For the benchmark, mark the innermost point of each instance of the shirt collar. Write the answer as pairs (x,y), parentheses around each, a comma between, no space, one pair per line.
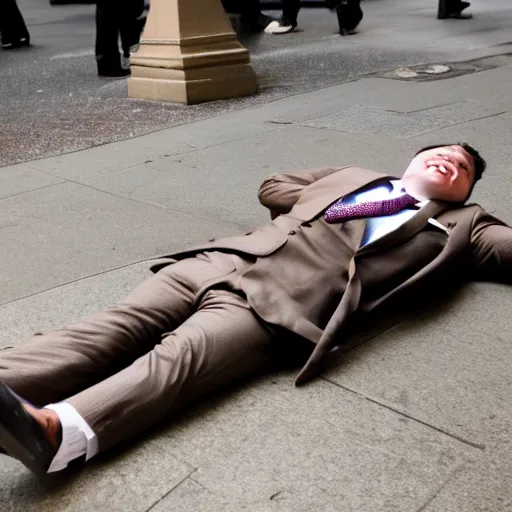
(397,186)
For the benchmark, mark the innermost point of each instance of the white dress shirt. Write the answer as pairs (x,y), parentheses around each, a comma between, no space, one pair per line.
(377,227)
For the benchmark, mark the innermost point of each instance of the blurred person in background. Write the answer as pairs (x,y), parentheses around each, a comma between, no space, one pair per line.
(115,19)
(13,30)
(252,20)
(349,15)
(288,21)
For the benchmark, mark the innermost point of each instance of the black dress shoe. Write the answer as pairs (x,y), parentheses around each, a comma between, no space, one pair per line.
(113,72)
(349,14)
(21,437)
(18,43)
(458,16)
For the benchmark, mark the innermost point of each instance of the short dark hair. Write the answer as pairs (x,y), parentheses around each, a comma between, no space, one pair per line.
(480,163)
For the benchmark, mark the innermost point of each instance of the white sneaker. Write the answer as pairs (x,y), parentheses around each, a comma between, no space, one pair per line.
(276,27)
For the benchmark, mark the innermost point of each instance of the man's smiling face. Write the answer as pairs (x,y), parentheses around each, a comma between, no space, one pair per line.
(445,173)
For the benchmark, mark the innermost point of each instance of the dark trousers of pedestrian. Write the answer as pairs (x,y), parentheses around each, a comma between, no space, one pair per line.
(291,10)
(251,18)
(12,25)
(450,7)
(249,10)
(115,18)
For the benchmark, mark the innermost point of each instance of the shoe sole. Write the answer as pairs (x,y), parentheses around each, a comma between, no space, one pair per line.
(16,45)
(455,16)
(283,32)
(15,449)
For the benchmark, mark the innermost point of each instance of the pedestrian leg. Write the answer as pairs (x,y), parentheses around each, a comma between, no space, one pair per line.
(108,19)
(13,29)
(453,9)
(288,21)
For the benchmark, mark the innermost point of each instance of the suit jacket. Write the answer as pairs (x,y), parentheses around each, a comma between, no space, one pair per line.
(313,278)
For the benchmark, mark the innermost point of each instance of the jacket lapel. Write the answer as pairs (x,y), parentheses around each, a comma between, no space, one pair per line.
(406,230)
(351,297)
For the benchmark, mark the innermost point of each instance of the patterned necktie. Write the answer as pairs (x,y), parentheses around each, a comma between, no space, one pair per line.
(340,211)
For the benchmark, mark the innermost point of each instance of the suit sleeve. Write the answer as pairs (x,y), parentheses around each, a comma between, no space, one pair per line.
(280,192)
(491,243)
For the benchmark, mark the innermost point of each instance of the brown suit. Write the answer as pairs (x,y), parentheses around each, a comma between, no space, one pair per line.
(311,275)
(211,314)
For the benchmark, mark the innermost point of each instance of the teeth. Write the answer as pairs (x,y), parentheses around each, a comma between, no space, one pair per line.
(438,168)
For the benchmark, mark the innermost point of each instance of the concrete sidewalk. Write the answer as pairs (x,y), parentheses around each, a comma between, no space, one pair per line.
(418,419)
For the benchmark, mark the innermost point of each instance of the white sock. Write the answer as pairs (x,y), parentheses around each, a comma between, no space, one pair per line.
(78,438)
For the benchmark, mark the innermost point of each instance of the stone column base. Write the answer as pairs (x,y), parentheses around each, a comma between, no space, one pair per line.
(189,54)
(193,85)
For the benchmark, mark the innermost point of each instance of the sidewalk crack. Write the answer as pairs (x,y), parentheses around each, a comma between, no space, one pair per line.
(170,490)
(438,491)
(200,217)
(405,415)
(31,190)
(458,123)
(78,279)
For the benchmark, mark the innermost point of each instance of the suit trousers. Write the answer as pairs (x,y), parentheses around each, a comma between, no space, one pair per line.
(160,348)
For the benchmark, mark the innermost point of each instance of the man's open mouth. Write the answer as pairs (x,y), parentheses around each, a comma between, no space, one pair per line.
(440,169)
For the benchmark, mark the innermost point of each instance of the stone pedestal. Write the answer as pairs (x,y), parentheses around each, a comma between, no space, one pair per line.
(189,53)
